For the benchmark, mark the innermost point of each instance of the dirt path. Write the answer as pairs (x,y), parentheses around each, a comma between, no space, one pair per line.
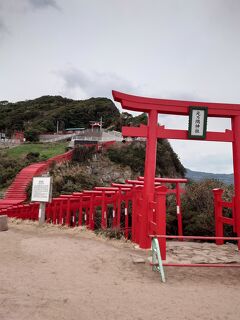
(52,273)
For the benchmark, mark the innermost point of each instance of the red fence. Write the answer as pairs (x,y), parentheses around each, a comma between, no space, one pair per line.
(95,208)
(118,206)
(22,211)
(220,219)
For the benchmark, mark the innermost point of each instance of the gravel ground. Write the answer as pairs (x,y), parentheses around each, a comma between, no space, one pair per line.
(58,273)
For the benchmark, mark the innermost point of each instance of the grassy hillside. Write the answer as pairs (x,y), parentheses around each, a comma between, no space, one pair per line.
(15,159)
(45,150)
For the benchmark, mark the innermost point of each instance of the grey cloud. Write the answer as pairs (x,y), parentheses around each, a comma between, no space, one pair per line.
(40,4)
(214,163)
(3,28)
(95,84)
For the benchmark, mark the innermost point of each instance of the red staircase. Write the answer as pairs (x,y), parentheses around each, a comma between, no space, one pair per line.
(17,193)
(17,190)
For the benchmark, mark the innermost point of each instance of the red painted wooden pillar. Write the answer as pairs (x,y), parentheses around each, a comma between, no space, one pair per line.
(31,211)
(179,211)
(139,208)
(236,166)
(114,217)
(233,214)
(149,178)
(57,205)
(47,211)
(54,208)
(218,214)
(68,214)
(61,219)
(104,212)
(80,212)
(91,213)
(126,218)
(74,215)
(88,204)
(24,212)
(119,203)
(161,193)
(87,219)
(36,210)
(134,214)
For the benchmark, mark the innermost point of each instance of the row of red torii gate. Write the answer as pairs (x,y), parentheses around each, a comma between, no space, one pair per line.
(146,196)
(198,112)
(119,208)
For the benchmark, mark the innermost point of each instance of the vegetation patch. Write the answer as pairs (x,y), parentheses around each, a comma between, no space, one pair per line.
(15,159)
(83,153)
(198,209)
(111,233)
(45,150)
(133,155)
(45,113)
(71,177)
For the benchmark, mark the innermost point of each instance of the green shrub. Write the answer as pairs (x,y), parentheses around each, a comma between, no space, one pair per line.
(133,155)
(198,209)
(71,177)
(32,135)
(32,156)
(9,168)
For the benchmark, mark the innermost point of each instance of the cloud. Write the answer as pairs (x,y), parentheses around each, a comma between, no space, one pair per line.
(3,28)
(41,4)
(9,7)
(205,156)
(94,84)
(10,10)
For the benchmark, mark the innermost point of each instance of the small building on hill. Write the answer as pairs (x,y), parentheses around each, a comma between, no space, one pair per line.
(92,136)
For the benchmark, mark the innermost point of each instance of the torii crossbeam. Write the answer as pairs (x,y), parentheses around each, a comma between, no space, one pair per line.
(153,131)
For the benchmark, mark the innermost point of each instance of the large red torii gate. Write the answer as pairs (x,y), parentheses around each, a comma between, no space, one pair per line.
(153,131)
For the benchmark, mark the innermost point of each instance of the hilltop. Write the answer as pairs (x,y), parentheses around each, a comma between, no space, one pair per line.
(45,113)
(42,114)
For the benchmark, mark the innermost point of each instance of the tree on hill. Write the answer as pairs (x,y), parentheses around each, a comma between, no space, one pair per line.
(43,113)
(127,119)
(133,154)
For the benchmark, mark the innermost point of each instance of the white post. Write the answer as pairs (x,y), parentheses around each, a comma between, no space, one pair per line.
(41,213)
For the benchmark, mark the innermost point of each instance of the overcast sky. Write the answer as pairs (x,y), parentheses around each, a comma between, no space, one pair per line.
(173,49)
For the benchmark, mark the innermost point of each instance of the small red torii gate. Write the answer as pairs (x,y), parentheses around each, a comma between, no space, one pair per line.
(153,131)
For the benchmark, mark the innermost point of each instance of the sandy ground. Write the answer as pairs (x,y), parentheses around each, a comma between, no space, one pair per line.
(57,273)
